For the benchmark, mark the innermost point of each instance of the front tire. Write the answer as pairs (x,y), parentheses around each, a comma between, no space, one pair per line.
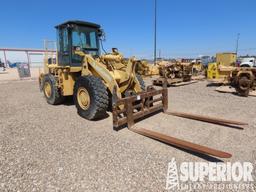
(90,97)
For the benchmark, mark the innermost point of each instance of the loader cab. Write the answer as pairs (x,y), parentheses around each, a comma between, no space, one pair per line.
(77,35)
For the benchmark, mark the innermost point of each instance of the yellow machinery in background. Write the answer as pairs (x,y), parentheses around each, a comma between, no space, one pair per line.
(222,68)
(144,68)
(197,67)
(226,59)
(174,73)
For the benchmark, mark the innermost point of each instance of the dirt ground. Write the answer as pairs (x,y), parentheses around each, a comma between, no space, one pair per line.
(51,148)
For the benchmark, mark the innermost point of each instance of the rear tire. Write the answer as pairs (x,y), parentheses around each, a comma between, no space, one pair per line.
(51,91)
(90,97)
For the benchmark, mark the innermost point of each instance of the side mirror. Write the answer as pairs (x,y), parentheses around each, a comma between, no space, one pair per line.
(115,50)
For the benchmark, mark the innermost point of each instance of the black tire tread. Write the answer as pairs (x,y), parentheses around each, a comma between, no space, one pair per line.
(100,96)
(57,97)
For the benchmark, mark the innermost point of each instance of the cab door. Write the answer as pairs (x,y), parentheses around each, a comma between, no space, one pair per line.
(64,52)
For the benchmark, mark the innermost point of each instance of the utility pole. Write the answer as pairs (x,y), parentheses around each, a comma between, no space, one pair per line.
(237,42)
(155,32)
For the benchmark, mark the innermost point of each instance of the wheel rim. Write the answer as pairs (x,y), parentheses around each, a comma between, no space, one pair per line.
(47,90)
(83,98)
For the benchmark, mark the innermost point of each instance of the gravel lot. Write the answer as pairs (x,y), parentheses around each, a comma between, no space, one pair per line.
(51,148)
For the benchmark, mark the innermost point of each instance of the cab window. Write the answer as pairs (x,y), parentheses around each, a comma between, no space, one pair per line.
(86,39)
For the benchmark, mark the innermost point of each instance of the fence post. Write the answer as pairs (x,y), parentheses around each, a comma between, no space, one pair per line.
(28,63)
(129,113)
(5,60)
(165,98)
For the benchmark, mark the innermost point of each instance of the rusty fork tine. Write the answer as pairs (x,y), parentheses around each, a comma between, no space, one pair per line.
(181,143)
(206,119)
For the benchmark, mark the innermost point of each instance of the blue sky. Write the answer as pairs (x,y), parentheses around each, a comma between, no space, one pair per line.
(186,28)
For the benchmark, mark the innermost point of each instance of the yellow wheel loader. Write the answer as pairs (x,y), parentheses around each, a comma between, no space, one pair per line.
(80,71)
(98,82)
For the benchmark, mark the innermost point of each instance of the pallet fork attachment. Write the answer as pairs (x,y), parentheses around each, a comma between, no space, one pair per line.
(128,110)
(181,143)
(213,120)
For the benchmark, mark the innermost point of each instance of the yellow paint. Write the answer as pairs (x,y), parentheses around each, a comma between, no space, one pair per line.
(47,90)
(113,69)
(67,82)
(83,98)
(218,72)
(226,59)
(222,68)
